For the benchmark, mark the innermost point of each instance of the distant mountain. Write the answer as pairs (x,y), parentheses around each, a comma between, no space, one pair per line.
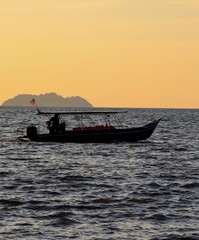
(47,100)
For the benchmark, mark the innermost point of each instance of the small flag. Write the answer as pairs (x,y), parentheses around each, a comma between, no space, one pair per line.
(33,102)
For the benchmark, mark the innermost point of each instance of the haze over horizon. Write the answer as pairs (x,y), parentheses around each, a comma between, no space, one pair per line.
(114,53)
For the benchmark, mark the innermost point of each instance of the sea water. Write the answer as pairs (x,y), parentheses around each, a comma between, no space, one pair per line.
(145,190)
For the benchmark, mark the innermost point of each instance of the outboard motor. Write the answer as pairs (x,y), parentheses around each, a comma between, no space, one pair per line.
(31,132)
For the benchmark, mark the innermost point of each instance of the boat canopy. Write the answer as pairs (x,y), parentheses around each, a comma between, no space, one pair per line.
(81,112)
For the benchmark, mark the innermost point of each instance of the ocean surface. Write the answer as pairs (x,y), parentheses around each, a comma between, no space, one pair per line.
(145,190)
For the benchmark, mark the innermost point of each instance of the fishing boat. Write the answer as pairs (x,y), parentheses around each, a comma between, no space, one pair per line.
(58,130)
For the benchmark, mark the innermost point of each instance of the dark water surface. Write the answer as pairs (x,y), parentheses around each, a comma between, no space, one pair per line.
(146,190)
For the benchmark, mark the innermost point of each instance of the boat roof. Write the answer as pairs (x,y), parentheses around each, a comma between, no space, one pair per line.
(80,112)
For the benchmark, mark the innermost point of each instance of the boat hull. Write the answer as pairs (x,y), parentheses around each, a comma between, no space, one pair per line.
(99,136)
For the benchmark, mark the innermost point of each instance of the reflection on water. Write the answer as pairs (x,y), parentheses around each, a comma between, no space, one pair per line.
(146,190)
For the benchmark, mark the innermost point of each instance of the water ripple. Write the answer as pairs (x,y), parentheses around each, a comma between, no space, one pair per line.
(146,190)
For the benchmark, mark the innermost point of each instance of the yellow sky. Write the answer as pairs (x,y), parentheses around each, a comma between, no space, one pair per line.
(114,53)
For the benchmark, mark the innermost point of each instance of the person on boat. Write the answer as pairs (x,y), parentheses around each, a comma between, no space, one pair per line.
(54,123)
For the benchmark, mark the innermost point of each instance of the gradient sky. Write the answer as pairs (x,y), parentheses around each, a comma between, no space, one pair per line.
(114,53)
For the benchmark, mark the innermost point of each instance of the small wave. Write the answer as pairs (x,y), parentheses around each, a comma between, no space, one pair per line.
(9,139)
(191,185)
(177,237)
(38,205)
(157,216)
(71,178)
(5,173)
(141,200)
(59,215)
(61,219)
(154,185)
(104,200)
(181,149)
(11,202)
(43,207)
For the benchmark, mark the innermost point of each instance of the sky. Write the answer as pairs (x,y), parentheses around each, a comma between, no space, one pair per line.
(114,53)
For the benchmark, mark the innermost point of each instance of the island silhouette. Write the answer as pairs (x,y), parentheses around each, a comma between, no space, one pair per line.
(48,100)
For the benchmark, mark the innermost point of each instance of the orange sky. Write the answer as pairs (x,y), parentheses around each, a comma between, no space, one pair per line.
(114,53)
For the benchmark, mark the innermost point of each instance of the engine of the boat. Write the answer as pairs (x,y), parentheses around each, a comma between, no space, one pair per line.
(31,131)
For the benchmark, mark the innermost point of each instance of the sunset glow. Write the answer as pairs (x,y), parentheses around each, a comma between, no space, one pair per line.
(114,53)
